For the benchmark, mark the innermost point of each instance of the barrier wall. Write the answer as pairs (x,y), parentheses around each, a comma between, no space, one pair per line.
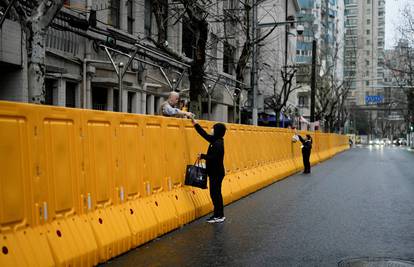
(79,187)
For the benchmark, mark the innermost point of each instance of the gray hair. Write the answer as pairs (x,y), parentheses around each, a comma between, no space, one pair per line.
(173,93)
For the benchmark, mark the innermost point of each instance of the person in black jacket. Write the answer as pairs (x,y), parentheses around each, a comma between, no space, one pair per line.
(215,166)
(306,151)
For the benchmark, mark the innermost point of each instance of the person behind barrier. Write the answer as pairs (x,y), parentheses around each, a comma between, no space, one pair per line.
(306,151)
(215,166)
(168,108)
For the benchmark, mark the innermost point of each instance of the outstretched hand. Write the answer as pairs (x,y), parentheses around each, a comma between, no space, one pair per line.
(193,121)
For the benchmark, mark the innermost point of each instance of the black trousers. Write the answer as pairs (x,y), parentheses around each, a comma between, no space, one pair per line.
(215,194)
(306,162)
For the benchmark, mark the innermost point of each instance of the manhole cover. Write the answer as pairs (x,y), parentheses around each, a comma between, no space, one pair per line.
(375,262)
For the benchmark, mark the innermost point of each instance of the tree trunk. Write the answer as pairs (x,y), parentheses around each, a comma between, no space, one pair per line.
(36,26)
(36,67)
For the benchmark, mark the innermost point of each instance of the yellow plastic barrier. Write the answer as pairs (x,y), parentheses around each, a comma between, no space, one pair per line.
(101,166)
(177,158)
(130,186)
(60,141)
(155,158)
(22,243)
(81,186)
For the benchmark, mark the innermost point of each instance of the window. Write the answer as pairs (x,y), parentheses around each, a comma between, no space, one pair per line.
(302,101)
(115,100)
(348,2)
(131,104)
(147,18)
(368,21)
(368,32)
(70,94)
(130,17)
(50,87)
(187,39)
(297,52)
(100,98)
(367,52)
(368,2)
(367,83)
(228,58)
(213,50)
(351,32)
(115,7)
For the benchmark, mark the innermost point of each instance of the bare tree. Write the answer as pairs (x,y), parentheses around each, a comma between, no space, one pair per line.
(194,14)
(331,93)
(241,19)
(278,100)
(401,64)
(35,17)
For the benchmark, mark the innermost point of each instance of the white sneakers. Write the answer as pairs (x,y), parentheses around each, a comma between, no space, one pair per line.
(216,220)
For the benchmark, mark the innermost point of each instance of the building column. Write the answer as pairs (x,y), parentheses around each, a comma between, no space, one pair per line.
(219,112)
(61,93)
(137,103)
(143,103)
(150,104)
(160,100)
(123,15)
(110,100)
(124,101)
(78,89)
(88,92)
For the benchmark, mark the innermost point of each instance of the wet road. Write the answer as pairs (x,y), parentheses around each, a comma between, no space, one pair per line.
(358,204)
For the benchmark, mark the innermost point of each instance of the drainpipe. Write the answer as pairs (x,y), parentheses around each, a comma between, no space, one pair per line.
(88,7)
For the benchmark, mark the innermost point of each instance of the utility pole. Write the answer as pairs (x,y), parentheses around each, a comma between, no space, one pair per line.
(253,78)
(286,35)
(313,81)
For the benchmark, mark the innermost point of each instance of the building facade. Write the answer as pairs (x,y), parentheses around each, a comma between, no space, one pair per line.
(276,53)
(364,47)
(80,74)
(323,21)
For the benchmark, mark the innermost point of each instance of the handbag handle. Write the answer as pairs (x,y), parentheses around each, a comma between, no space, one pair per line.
(197,162)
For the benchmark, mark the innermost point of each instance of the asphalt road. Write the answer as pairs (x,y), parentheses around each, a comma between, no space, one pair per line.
(358,204)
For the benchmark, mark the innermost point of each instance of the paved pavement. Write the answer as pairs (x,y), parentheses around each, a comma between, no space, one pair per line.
(358,204)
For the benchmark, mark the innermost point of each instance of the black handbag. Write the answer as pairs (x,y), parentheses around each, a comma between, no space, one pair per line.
(196,175)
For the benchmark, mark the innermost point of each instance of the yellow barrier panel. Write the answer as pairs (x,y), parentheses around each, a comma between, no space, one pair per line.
(82,186)
(130,185)
(69,236)
(231,158)
(278,157)
(22,242)
(177,158)
(241,169)
(155,174)
(101,163)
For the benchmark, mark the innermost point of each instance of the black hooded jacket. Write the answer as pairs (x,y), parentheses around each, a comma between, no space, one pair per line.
(307,144)
(215,153)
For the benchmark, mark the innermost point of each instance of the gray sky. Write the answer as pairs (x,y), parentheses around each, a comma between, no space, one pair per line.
(392,13)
